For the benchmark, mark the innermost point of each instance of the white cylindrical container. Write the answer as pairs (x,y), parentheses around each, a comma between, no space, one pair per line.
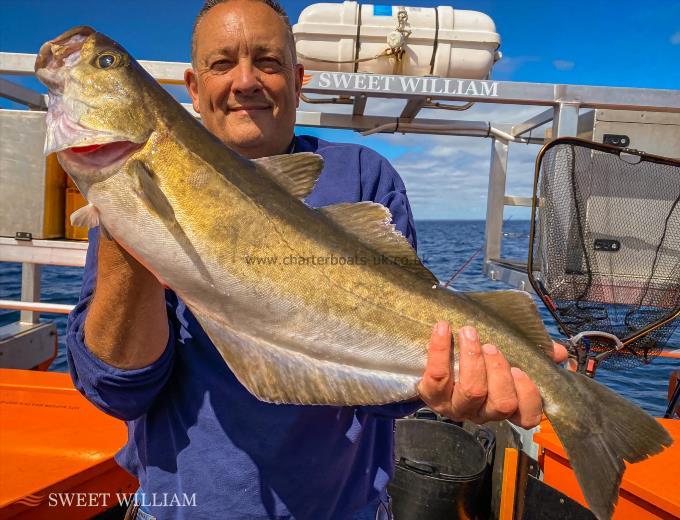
(439,41)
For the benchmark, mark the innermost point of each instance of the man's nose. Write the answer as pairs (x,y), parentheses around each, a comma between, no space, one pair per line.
(246,80)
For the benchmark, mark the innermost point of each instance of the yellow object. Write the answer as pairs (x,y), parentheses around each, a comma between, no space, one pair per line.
(55,180)
(74,201)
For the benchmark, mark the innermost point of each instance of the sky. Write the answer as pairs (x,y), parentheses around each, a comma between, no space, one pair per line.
(625,43)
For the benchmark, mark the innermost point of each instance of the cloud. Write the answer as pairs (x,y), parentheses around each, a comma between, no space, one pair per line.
(510,64)
(675,39)
(447,177)
(563,64)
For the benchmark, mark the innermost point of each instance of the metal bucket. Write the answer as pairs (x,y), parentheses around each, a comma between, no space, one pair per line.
(441,470)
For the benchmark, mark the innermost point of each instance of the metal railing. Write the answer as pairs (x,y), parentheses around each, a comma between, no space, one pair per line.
(50,308)
(564,105)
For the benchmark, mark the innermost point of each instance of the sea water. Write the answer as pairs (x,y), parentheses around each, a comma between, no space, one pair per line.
(444,246)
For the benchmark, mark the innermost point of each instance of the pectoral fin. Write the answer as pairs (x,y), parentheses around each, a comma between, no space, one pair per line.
(155,200)
(87,216)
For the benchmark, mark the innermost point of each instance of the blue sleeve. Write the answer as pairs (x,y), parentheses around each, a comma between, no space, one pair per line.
(391,193)
(381,183)
(124,394)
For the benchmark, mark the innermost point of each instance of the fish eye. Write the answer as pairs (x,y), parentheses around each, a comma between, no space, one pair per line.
(107,59)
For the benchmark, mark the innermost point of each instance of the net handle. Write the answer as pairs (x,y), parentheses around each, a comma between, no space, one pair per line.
(575,340)
(588,364)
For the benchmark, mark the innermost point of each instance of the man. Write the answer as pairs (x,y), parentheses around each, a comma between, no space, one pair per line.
(138,353)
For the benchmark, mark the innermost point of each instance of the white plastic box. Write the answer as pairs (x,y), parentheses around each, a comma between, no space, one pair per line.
(466,45)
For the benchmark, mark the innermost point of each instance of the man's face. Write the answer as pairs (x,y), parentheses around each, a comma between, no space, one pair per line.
(244,83)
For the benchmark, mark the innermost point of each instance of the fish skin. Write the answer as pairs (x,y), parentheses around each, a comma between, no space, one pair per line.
(176,198)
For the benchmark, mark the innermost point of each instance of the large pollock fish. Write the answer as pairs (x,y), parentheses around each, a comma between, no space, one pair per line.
(347,332)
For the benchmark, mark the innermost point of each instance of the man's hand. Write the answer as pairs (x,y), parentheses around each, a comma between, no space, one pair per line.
(487,389)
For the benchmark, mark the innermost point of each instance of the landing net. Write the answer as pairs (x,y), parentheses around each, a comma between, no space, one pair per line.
(605,245)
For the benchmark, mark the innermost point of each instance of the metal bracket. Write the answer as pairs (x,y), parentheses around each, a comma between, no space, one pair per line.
(621,141)
(587,364)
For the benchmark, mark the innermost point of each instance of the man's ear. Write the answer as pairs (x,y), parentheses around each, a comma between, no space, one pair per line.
(299,74)
(191,83)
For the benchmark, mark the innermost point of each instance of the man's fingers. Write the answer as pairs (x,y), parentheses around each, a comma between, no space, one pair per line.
(435,386)
(501,400)
(486,388)
(530,404)
(560,352)
(470,391)
(439,353)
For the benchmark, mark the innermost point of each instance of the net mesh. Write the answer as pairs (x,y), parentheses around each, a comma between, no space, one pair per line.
(607,247)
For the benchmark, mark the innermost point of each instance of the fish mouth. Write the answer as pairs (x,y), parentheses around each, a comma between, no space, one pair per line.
(54,53)
(64,132)
(87,146)
(99,157)
(59,54)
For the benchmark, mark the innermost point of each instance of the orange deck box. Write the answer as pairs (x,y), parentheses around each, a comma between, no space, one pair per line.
(55,445)
(650,489)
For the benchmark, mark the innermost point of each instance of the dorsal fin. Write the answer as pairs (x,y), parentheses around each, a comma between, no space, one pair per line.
(297,172)
(370,222)
(516,307)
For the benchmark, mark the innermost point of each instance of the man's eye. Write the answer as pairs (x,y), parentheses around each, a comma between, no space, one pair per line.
(268,63)
(222,65)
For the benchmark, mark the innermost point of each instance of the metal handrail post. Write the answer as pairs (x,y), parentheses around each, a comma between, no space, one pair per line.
(565,120)
(30,290)
(496,200)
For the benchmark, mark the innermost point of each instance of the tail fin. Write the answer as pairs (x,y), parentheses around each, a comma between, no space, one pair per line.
(600,430)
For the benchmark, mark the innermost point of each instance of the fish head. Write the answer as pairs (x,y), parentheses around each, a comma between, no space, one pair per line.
(97,116)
